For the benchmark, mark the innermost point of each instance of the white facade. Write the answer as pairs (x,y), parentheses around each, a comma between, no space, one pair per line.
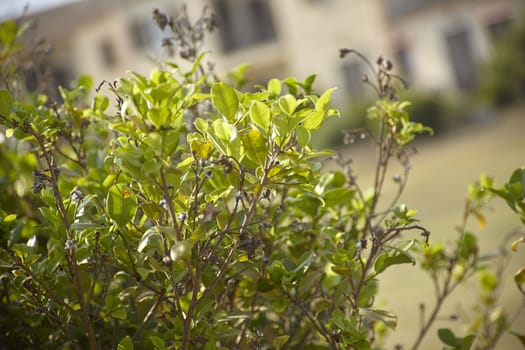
(444,41)
(277,38)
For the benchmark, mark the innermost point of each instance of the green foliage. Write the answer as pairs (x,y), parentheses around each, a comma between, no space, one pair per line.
(448,338)
(194,215)
(513,192)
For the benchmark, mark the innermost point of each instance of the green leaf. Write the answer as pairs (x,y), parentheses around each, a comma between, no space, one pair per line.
(125,344)
(303,136)
(260,114)
(85,81)
(279,341)
(308,284)
(152,239)
(468,246)
(447,337)
(519,278)
(6,264)
(274,87)
(313,120)
(488,280)
(515,244)
(119,313)
(254,146)
(158,116)
(338,319)
(518,176)
(323,104)
(10,217)
(385,260)
(203,308)
(466,343)
(291,84)
(181,250)
(100,103)
(202,149)
(225,99)
(202,125)
(288,104)
(337,196)
(158,343)
(121,204)
(308,82)
(6,103)
(224,130)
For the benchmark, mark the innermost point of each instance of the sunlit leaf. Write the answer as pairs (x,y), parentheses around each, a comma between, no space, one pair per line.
(481,219)
(288,104)
(125,344)
(202,149)
(323,104)
(292,84)
(224,130)
(313,120)
(515,244)
(150,239)
(254,146)
(10,217)
(225,99)
(308,82)
(100,103)
(158,116)
(158,342)
(121,204)
(279,341)
(181,250)
(260,114)
(274,87)
(303,136)
(202,125)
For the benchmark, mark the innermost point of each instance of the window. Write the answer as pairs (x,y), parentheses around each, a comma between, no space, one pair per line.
(403,61)
(107,53)
(462,59)
(353,76)
(498,29)
(141,33)
(244,22)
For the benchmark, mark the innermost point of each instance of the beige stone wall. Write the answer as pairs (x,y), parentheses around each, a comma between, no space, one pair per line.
(309,34)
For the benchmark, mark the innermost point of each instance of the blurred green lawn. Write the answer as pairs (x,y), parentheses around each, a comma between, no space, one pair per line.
(441,171)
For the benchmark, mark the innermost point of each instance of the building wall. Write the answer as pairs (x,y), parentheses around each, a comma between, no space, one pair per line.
(100,37)
(422,35)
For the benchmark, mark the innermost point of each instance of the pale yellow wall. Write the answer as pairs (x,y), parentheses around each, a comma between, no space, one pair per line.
(423,33)
(309,35)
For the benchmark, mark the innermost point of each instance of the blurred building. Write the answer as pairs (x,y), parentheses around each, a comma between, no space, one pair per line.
(436,44)
(440,43)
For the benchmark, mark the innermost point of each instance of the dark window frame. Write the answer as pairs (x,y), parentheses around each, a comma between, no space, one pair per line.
(244,23)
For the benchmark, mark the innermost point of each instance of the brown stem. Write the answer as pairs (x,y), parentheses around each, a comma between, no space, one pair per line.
(70,254)
(318,326)
(169,202)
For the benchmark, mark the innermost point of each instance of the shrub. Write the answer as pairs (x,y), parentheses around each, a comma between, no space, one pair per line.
(192,215)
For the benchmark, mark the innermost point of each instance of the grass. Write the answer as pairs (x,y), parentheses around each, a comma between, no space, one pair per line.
(441,171)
